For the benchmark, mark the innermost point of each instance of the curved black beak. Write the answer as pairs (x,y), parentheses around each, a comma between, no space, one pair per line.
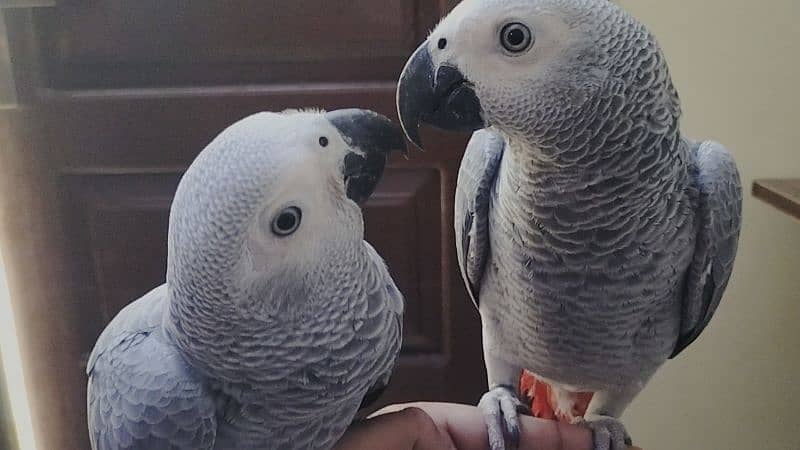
(440,97)
(371,138)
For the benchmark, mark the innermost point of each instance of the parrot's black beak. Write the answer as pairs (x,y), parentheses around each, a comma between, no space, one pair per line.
(440,97)
(371,138)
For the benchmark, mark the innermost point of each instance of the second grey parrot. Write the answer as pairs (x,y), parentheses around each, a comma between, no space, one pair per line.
(277,320)
(595,239)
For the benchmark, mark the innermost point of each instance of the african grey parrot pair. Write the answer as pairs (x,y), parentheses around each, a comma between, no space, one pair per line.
(594,238)
(277,321)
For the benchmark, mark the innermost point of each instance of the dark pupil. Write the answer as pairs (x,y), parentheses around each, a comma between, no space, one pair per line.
(286,221)
(516,37)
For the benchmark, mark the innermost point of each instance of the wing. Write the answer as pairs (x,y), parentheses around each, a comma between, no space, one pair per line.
(719,215)
(384,294)
(476,177)
(141,393)
(374,393)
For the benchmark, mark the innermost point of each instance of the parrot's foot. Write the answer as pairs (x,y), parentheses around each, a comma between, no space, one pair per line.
(501,408)
(608,432)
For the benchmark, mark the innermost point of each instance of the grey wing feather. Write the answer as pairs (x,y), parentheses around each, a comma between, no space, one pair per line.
(719,215)
(476,178)
(141,393)
(385,292)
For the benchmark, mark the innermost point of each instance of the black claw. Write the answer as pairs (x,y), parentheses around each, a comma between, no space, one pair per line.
(512,438)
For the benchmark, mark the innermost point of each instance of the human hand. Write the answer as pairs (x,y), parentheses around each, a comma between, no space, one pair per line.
(406,428)
(423,426)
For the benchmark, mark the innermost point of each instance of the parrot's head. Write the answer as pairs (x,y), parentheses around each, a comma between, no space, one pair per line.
(540,71)
(273,200)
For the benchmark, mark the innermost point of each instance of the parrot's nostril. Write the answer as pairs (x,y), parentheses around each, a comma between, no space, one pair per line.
(442,43)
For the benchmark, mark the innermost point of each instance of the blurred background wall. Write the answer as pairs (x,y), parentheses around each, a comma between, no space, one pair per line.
(736,65)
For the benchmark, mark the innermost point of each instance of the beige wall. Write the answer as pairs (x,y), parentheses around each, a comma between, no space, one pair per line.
(737,66)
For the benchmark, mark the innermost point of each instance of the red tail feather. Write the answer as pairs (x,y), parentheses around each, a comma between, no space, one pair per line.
(543,403)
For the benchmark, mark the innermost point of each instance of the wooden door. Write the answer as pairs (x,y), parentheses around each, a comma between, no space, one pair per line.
(112,101)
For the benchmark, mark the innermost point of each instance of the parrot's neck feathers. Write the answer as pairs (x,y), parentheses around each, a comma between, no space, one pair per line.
(593,194)
(216,331)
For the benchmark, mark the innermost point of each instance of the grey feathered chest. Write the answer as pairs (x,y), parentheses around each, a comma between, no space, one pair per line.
(296,381)
(309,405)
(584,269)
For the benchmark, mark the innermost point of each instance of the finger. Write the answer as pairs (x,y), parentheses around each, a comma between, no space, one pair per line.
(466,427)
(538,434)
(396,429)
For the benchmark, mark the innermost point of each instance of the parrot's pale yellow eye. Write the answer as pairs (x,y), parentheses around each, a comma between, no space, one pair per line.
(516,38)
(287,222)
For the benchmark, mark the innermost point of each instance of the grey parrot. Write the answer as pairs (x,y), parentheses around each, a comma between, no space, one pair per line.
(595,239)
(277,320)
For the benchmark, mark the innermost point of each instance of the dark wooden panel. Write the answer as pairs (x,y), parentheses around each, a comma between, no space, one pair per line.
(120,224)
(403,222)
(179,42)
(156,129)
(247,29)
